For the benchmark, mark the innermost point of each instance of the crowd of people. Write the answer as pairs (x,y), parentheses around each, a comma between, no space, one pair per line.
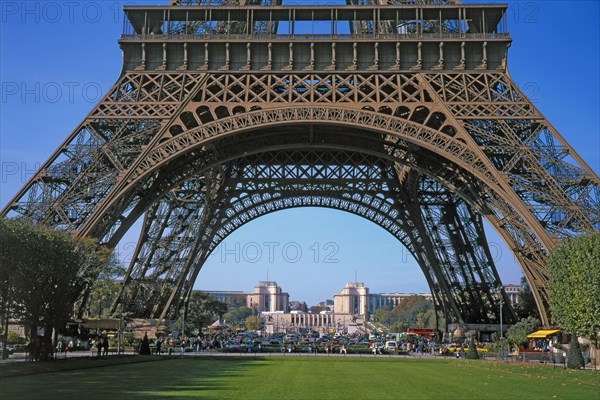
(199,344)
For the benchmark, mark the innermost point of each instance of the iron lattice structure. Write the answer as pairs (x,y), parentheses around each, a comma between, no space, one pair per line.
(401,112)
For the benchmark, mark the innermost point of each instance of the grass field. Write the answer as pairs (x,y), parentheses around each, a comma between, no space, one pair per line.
(307,378)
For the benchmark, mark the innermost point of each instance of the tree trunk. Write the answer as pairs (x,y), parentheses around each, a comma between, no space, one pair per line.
(46,344)
(6,323)
(594,354)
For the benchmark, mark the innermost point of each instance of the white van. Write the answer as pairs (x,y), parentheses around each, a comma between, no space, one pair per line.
(391,345)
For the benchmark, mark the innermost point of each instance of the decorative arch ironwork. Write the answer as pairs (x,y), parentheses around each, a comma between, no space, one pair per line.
(416,212)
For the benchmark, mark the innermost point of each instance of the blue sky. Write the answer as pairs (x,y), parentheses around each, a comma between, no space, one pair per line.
(57,58)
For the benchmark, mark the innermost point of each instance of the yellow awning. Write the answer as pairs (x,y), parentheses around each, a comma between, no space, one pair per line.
(543,333)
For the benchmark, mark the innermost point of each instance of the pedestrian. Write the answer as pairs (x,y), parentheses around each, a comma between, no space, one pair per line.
(181,347)
(105,345)
(99,347)
(158,344)
(59,346)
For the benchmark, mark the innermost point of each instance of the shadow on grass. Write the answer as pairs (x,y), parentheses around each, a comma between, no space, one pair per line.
(42,367)
(173,379)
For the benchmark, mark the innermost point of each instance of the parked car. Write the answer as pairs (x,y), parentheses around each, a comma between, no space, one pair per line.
(19,348)
(291,338)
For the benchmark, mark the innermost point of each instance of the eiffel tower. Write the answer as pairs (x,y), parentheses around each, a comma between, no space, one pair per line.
(398,111)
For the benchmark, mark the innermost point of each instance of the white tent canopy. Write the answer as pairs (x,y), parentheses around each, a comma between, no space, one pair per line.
(219,324)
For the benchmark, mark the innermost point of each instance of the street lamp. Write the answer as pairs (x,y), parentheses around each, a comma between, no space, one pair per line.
(120,327)
(501,330)
(445,337)
(183,317)
(501,306)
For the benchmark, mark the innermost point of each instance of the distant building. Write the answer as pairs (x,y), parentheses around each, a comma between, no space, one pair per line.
(512,291)
(380,300)
(298,306)
(352,299)
(355,299)
(326,305)
(229,297)
(301,322)
(267,296)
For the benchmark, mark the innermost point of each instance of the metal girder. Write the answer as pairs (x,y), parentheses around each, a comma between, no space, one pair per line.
(461,248)
(177,119)
(362,185)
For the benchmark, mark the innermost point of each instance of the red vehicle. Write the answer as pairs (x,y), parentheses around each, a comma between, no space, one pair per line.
(421,331)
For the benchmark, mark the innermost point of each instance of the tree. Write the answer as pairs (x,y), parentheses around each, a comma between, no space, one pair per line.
(517,334)
(384,315)
(252,323)
(202,310)
(105,290)
(8,256)
(102,296)
(526,306)
(426,319)
(399,326)
(412,311)
(44,272)
(237,315)
(317,309)
(298,306)
(574,292)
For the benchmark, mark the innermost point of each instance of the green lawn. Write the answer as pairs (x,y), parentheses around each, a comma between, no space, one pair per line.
(307,378)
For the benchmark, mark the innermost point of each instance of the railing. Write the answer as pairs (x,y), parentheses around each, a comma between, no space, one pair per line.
(309,36)
(358,4)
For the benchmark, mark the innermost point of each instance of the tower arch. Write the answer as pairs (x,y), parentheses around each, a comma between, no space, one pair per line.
(195,97)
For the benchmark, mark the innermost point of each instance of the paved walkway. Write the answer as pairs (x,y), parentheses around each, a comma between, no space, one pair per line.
(20,357)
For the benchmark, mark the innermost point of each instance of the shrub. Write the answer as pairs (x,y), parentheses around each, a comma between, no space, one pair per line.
(145,347)
(14,338)
(472,353)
